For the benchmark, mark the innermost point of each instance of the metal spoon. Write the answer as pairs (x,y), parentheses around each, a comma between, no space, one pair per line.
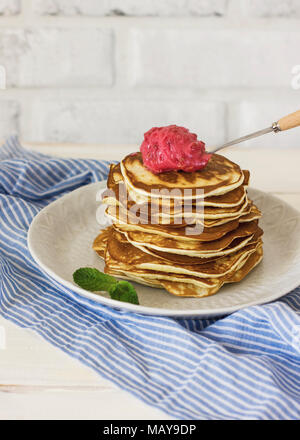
(290,121)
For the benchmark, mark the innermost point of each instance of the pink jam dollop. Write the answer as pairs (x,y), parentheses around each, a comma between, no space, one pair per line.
(173,148)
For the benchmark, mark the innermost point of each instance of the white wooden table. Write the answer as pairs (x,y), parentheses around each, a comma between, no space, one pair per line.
(37,381)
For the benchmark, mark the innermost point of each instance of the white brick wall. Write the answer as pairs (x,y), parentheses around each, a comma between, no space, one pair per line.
(66,57)
(57,57)
(119,121)
(9,118)
(9,7)
(167,8)
(106,71)
(272,8)
(227,58)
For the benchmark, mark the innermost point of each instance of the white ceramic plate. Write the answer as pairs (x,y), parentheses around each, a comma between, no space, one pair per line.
(61,235)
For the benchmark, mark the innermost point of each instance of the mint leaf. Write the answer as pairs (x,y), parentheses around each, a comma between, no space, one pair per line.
(124,291)
(92,279)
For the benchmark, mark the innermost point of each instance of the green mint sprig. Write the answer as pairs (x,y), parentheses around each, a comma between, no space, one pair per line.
(92,279)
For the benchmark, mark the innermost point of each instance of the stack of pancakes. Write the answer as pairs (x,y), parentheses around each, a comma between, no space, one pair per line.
(190,241)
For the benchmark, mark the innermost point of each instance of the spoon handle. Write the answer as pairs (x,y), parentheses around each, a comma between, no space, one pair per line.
(290,121)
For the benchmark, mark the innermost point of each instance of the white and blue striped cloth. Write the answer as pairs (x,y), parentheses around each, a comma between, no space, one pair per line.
(243,366)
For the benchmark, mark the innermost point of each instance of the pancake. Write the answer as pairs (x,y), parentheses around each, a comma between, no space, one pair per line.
(207,213)
(166,212)
(140,279)
(100,242)
(214,269)
(190,290)
(190,241)
(218,177)
(208,234)
(191,286)
(225,245)
(254,214)
(196,259)
(118,188)
(114,176)
(196,280)
(152,242)
(122,255)
(120,215)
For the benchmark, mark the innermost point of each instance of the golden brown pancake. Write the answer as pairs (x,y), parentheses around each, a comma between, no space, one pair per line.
(218,177)
(190,241)
(234,239)
(100,242)
(157,248)
(122,255)
(190,290)
(254,214)
(120,215)
(186,259)
(127,198)
(166,213)
(190,286)
(208,234)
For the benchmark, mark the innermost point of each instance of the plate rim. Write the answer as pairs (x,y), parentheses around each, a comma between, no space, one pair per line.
(145,310)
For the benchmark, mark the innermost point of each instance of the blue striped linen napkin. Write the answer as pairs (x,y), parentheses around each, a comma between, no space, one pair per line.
(242,366)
